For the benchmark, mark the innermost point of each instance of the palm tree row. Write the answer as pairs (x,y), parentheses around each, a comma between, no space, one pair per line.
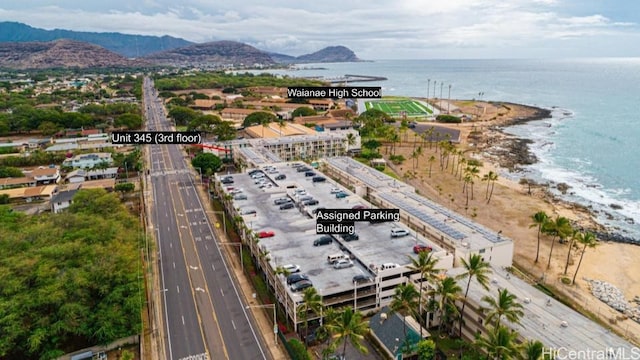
(561,229)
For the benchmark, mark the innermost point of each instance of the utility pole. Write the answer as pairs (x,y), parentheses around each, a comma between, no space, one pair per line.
(449,102)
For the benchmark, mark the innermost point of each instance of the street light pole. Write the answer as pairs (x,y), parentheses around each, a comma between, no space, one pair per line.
(200,171)
(449,101)
(275,324)
(428,86)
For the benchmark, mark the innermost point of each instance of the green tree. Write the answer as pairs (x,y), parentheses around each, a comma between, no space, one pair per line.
(491,178)
(532,350)
(426,350)
(182,115)
(303,111)
(48,128)
(299,350)
(559,228)
(504,305)
(311,302)
(499,343)
(259,118)
(10,172)
(476,268)
(405,302)
(588,240)
(425,263)
(129,121)
(225,131)
(207,163)
(539,219)
(349,327)
(4,199)
(446,292)
(125,187)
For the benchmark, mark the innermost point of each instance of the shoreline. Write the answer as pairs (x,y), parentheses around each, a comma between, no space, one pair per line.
(510,153)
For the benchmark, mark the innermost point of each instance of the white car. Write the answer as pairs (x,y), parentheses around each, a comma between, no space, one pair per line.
(291,268)
(235,191)
(343,264)
(399,232)
(335,190)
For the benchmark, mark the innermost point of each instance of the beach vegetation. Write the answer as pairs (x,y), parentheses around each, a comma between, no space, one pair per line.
(476,268)
(448,119)
(539,219)
(587,240)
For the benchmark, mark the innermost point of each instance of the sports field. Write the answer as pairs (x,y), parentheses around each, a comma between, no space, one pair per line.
(400,107)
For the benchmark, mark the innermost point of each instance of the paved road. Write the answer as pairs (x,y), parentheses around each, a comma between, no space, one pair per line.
(204,316)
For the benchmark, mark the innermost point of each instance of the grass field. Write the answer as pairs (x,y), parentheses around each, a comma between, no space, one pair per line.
(400,107)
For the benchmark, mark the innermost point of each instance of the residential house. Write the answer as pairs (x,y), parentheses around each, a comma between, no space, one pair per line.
(62,200)
(388,329)
(88,160)
(82,175)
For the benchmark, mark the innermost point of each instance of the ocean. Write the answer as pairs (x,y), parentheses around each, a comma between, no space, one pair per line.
(591,142)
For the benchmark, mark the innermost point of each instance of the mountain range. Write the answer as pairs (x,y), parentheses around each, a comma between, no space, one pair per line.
(25,47)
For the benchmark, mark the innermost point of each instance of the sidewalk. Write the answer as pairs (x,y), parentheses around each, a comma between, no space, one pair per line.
(262,316)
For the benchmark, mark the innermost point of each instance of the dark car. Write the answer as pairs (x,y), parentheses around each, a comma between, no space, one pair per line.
(350,237)
(227,181)
(282,201)
(294,278)
(303,169)
(359,279)
(310,202)
(309,173)
(323,240)
(281,177)
(286,206)
(301,285)
(319,179)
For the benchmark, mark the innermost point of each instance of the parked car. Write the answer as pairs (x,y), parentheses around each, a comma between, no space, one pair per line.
(291,268)
(235,191)
(335,190)
(266,234)
(227,180)
(247,212)
(419,248)
(301,285)
(309,173)
(350,237)
(361,278)
(303,169)
(358,207)
(281,177)
(310,202)
(343,264)
(282,200)
(323,240)
(240,197)
(286,206)
(399,233)
(316,179)
(294,278)
(341,195)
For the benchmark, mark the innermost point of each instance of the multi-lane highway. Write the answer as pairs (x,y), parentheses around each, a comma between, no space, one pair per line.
(203,314)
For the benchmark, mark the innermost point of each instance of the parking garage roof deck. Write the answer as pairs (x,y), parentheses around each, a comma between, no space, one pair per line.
(370,176)
(295,231)
(543,316)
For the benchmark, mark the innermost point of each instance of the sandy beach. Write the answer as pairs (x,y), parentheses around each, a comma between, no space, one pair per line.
(512,205)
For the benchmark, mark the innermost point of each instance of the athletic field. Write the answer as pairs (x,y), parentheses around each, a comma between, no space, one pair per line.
(400,108)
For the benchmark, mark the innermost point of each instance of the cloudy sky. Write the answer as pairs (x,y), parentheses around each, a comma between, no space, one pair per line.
(396,29)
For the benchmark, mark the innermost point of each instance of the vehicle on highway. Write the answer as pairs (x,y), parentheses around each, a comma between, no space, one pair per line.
(282,200)
(323,240)
(281,177)
(361,278)
(286,206)
(399,233)
(335,190)
(266,234)
(419,248)
(294,278)
(240,197)
(341,195)
(301,285)
(343,264)
(349,237)
(247,212)
(291,268)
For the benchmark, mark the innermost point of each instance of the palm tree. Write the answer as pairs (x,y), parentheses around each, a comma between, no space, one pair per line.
(351,140)
(491,178)
(504,305)
(532,350)
(473,171)
(560,227)
(478,268)
(539,219)
(311,301)
(328,316)
(500,343)
(405,301)
(571,241)
(349,326)
(431,160)
(587,239)
(447,292)
(425,264)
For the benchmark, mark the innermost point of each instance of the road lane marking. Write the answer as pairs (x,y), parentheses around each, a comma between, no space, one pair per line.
(213,267)
(234,325)
(174,264)
(182,320)
(221,292)
(178,286)
(206,247)
(171,245)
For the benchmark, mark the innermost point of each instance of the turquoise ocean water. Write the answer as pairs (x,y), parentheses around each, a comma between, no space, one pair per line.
(592,141)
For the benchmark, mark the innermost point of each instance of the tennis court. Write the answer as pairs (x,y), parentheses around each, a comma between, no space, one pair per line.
(400,108)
